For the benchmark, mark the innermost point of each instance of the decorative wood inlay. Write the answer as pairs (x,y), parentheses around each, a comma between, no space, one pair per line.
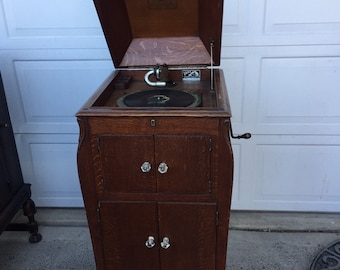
(172,51)
(97,163)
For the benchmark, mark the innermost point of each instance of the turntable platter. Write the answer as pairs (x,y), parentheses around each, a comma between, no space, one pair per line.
(160,98)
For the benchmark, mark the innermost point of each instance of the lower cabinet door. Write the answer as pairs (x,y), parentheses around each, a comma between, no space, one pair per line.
(190,230)
(126,228)
(158,236)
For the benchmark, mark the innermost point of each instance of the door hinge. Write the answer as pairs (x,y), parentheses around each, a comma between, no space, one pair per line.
(217,218)
(210,186)
(210,145)
(102,184)
(98,144)
(98,215)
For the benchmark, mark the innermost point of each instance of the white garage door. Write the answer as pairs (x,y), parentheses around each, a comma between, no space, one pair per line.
(282,64)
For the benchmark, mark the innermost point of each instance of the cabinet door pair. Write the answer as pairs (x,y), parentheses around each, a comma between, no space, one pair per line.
(158,236)
(156,163)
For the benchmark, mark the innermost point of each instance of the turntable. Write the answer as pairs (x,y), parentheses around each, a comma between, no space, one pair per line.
(160,98)
(154,158)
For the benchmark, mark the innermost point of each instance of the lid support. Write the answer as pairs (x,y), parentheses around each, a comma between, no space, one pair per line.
(211,66)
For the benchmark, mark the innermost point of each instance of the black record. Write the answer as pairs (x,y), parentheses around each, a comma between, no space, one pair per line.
(159,98)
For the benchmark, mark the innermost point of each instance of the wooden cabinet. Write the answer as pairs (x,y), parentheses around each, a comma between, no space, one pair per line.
(14,193)
(151,181)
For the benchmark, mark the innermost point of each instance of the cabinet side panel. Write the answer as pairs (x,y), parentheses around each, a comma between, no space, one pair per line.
(88,187)
(225,184)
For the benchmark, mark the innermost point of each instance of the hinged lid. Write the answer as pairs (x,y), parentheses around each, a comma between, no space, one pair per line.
(150,32)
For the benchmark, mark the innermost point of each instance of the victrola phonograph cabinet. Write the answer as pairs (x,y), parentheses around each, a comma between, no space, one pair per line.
(154,158)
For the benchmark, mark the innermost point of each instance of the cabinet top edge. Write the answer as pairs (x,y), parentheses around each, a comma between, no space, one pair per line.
(103,112)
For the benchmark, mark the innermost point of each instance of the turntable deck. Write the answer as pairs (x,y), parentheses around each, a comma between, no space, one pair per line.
(111,97)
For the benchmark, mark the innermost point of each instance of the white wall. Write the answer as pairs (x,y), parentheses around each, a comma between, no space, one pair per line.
(282,63)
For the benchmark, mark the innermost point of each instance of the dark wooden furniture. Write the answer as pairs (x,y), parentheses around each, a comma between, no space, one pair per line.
(157,181)
(14,193)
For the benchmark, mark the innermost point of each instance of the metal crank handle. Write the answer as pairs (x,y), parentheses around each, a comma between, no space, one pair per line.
(243,136)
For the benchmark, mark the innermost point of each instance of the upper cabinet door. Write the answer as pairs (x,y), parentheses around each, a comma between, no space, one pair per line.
(127,163)
(183,163)
(154,163)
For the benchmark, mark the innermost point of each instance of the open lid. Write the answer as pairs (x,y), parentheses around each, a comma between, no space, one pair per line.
(150,32)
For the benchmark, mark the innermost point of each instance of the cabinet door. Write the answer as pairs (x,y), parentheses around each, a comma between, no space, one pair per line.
(122,157)
(189,227)
(191,230)
(125,228)
(188,163)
